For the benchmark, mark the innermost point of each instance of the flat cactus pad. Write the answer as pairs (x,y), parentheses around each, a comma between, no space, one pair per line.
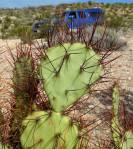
(127,142)
(47,131)
(67,72)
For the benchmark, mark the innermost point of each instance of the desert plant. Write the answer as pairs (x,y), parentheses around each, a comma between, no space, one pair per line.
(110,37)
(24,33)
(68,66)
(123,139)
(67,72)
(116,22)
(25,90)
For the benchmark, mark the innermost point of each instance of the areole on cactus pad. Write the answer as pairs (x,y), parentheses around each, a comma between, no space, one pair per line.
(67,72)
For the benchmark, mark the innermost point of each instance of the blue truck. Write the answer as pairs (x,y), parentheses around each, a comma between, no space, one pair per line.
(75,18)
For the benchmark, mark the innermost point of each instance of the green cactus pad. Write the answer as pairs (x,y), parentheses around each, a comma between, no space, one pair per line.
(116,100)
(46,131)
(3,146)
(67,72)
(127,142)
(115,125)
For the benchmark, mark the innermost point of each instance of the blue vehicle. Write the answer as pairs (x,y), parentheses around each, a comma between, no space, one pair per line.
(76,18)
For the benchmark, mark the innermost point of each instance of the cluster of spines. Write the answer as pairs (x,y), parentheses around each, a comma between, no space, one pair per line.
(25,90)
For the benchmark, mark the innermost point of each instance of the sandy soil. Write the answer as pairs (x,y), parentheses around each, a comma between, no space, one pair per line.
(5,68)
(123,67)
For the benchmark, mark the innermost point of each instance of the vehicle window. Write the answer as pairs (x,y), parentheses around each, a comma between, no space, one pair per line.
(81,14)
(37,25)
(72,15)
(95,14)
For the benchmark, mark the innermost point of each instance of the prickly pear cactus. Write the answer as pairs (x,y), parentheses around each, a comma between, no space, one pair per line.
(127,141)
(122,139)
(67,72)
(48,131)
(115,125)
(3,146)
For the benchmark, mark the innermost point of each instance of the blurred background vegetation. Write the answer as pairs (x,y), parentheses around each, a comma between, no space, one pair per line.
(16,23)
